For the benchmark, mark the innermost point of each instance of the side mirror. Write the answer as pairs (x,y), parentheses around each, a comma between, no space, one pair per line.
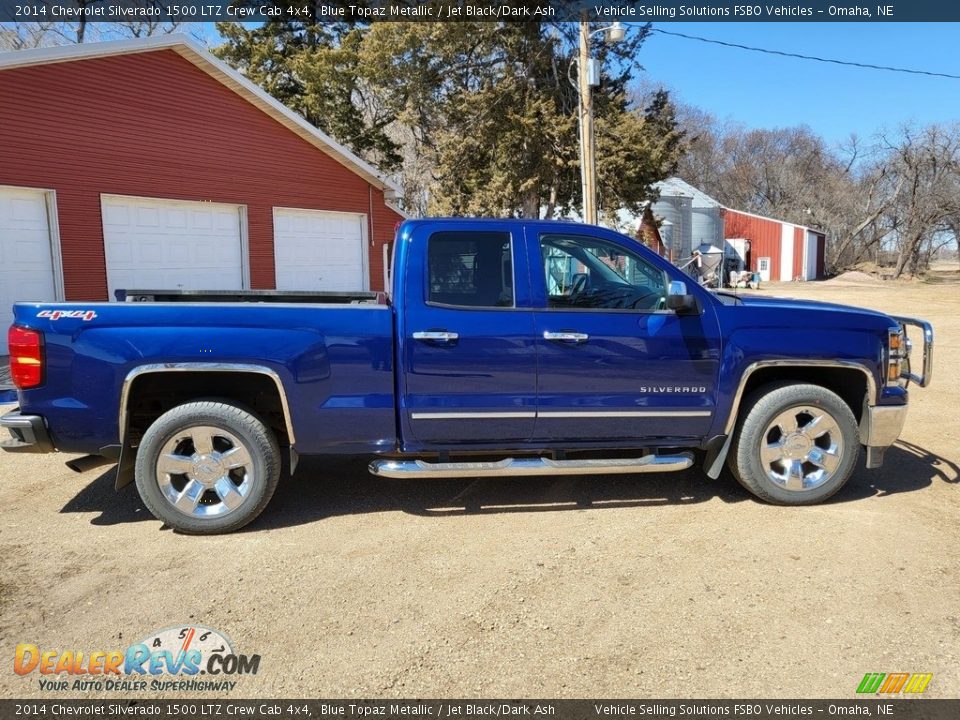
(678,300)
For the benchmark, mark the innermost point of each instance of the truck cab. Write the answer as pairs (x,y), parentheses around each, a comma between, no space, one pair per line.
(543,335)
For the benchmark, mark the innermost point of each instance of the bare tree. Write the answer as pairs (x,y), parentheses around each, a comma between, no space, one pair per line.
(928,165)
(28,35)
(900,192)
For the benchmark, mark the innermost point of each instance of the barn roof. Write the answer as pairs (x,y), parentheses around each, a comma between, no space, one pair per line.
(675,187)
(191,50)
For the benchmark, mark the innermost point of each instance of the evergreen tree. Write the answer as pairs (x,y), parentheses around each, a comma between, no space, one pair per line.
(495,108)
(483,117)
(312,68)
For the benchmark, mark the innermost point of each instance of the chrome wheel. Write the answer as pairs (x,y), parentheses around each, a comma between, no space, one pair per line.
(801,448)
(205,472)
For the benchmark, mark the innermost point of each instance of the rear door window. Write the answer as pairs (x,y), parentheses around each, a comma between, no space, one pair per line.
(470,269)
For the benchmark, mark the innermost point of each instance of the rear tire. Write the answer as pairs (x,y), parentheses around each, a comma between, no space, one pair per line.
(794,444)
(207,467)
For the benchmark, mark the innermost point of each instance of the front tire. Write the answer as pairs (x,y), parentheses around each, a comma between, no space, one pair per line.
(207,467)
(795,444)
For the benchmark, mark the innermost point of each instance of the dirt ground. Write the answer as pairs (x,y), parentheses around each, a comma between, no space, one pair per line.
(647,586)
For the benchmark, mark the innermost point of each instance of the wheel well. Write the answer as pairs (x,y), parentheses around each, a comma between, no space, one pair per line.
(152,394)
(850,384)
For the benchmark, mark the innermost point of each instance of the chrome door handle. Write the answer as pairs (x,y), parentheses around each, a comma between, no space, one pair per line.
(570,337)
(436,336)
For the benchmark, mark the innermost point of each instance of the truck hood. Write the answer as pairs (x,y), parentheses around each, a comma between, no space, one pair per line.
(778,303)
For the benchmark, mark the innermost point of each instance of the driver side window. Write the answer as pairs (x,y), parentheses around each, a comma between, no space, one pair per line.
(589,273)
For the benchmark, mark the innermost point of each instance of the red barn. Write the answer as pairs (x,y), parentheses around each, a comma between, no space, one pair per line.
(150,163)
(649,233)
(778,250)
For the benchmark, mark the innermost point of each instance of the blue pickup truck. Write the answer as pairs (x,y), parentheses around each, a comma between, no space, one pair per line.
(504,347)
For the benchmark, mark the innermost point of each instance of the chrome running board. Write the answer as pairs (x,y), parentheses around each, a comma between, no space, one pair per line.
(530,466)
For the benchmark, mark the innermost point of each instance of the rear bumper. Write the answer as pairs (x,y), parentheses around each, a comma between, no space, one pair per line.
(28,433)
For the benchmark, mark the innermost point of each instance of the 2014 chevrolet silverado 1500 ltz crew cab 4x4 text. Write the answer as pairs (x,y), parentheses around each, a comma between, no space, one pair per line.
(505,347)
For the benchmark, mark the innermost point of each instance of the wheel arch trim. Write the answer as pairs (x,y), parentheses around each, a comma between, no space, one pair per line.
(791,363)
(154,368)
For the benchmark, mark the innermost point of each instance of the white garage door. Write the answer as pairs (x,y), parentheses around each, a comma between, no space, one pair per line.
(786,253)
(318,250)
(26,258)
(810,257)
(172,244)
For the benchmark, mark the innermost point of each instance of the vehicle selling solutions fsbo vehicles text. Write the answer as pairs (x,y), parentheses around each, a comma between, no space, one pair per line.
(646,12)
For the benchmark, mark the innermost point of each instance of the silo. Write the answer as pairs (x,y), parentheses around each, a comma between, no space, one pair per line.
(676,210)
(707,225)
(666,235)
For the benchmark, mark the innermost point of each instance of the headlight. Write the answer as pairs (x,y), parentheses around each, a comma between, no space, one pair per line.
(898,350)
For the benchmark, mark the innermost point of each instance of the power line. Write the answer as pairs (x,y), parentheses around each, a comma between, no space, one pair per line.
(806,57)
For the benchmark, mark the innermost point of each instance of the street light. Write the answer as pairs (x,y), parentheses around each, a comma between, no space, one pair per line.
(588,75)
(616,32)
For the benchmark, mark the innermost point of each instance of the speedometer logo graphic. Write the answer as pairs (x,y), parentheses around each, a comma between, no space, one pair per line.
(182,639)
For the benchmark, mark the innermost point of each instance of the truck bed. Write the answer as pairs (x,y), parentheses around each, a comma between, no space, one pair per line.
(334,361)
(253,296)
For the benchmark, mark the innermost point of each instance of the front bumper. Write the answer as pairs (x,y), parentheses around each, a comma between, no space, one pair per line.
(880,425)
(28,433)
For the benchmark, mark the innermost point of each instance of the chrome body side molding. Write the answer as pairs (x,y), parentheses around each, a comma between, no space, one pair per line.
(622,413)
(558,414)
(472,415)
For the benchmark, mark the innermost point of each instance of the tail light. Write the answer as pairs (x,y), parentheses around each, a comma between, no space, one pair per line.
(26,357)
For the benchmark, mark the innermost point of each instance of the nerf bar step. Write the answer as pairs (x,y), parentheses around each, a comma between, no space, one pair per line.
(530,466)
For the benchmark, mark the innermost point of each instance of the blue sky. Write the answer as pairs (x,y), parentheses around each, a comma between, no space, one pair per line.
(768,91)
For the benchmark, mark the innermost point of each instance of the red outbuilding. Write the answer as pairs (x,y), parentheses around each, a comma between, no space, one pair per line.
(690,220)
(776,249)
(150,163)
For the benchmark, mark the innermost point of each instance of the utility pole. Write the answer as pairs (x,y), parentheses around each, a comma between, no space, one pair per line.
(588,174)
(588,75)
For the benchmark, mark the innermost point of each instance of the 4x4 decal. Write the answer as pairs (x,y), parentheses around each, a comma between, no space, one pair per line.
(57,314)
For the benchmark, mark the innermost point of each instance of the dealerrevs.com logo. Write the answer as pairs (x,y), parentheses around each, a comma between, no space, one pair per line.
(184,652)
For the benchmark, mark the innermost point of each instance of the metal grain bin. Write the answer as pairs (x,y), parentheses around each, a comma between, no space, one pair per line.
(677,211)
(707,225)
